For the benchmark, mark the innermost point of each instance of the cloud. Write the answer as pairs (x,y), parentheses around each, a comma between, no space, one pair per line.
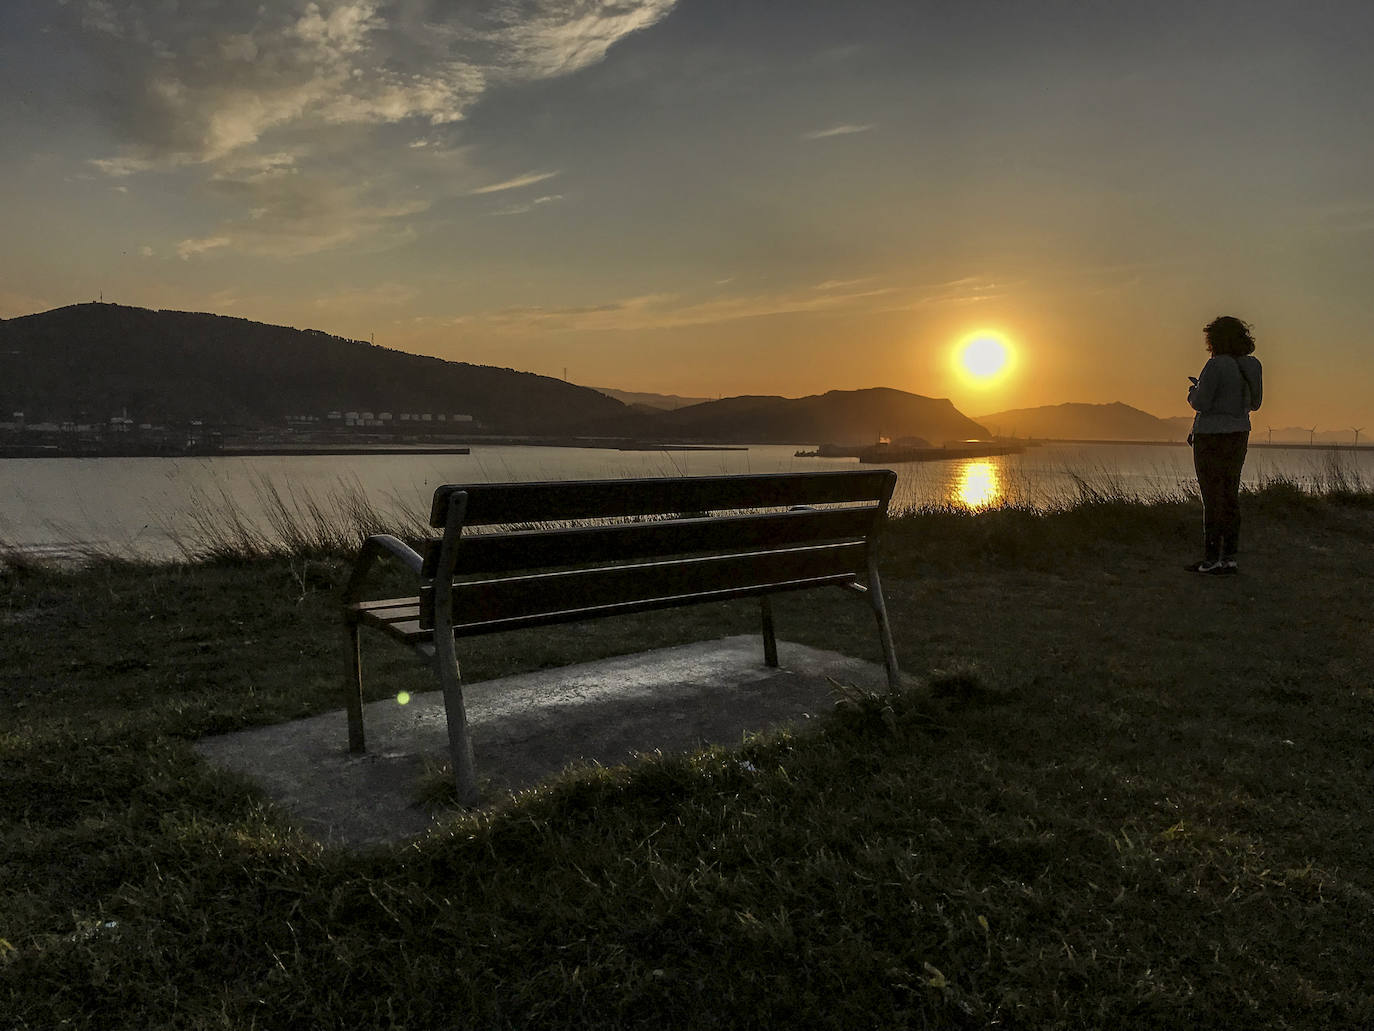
(123,166)
(192,82)
(837,130)
(670,311)
(242,96)
(521,209)
(188,249)
(528,179)
(966,290)
(288,216)
(842,284)
(542,40)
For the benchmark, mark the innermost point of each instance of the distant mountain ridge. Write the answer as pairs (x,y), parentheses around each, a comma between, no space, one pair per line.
(643,399)
(96,360)
(836,417)
(1117,421)
(1079,421)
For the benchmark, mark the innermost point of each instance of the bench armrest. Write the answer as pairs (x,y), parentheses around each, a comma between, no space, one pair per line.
(373,548)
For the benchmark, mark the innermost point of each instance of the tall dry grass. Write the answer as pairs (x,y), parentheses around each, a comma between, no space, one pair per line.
(283,521)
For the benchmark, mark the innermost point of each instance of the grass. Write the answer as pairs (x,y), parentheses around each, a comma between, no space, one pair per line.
(1123,797)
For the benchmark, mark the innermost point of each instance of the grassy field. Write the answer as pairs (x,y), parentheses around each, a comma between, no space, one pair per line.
(1122,797)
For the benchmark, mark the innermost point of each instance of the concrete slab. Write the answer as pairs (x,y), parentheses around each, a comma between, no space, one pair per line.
(530,727)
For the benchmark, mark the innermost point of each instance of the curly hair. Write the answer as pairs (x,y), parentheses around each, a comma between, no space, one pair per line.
(1227,334)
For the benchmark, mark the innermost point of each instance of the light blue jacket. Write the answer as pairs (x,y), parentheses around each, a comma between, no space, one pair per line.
(1227,390)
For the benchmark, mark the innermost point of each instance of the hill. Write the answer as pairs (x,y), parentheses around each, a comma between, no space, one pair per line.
(642,400)
(92,361)
(836,417)
(1074,421)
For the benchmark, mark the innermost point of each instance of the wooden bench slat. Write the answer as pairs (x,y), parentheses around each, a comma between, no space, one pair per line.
(550,501)
(643,605)
(379,607)
(539,549)
(411,632)
(500,599)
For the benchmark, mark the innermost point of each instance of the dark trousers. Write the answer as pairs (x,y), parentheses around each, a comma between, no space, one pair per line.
(1218,459)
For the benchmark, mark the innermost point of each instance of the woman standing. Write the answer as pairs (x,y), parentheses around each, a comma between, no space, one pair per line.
(1229,388)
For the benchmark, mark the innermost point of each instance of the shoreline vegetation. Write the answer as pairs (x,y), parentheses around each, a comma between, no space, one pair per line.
(1115,795)
(281,521)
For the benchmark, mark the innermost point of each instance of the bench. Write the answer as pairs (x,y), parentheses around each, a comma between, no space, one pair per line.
(558,552)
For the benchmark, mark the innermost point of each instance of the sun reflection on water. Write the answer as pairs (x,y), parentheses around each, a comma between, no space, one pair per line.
(978,485)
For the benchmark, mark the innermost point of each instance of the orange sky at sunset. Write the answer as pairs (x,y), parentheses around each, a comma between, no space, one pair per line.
(711,198)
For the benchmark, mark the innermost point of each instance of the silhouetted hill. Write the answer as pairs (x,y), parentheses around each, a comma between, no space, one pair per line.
(1073,421)
(91,361)
(661,402)
(837,417)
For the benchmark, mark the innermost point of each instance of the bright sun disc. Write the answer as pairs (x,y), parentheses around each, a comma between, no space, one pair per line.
(982,358)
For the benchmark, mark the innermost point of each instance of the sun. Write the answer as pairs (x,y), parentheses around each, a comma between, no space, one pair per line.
(983,358)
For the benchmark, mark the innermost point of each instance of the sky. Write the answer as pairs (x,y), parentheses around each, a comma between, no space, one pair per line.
(717,198)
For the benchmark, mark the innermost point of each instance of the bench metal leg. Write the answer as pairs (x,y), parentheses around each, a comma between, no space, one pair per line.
(875,595)
(770,640)
(459,741)
(353,689)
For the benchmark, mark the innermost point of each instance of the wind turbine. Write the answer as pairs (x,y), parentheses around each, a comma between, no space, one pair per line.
(1311,436)
(1357,435)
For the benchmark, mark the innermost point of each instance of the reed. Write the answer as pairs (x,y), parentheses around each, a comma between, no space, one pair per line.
(286,522)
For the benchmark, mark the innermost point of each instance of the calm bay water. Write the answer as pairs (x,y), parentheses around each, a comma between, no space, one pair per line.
(137,504)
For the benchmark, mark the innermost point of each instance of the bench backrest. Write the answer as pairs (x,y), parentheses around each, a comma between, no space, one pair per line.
(727,536)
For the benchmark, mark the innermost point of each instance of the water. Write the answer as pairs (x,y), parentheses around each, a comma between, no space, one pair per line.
(138,505)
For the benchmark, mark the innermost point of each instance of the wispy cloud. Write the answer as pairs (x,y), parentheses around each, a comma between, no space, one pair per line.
(862,296)
(188,249)
(842,284)
(296,215)
(522,209)
(670,311)
(837,130)
(965,290)
(528,179)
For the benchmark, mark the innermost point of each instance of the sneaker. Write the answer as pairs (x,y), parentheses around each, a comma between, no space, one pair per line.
(1228,567)
(1207,565)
